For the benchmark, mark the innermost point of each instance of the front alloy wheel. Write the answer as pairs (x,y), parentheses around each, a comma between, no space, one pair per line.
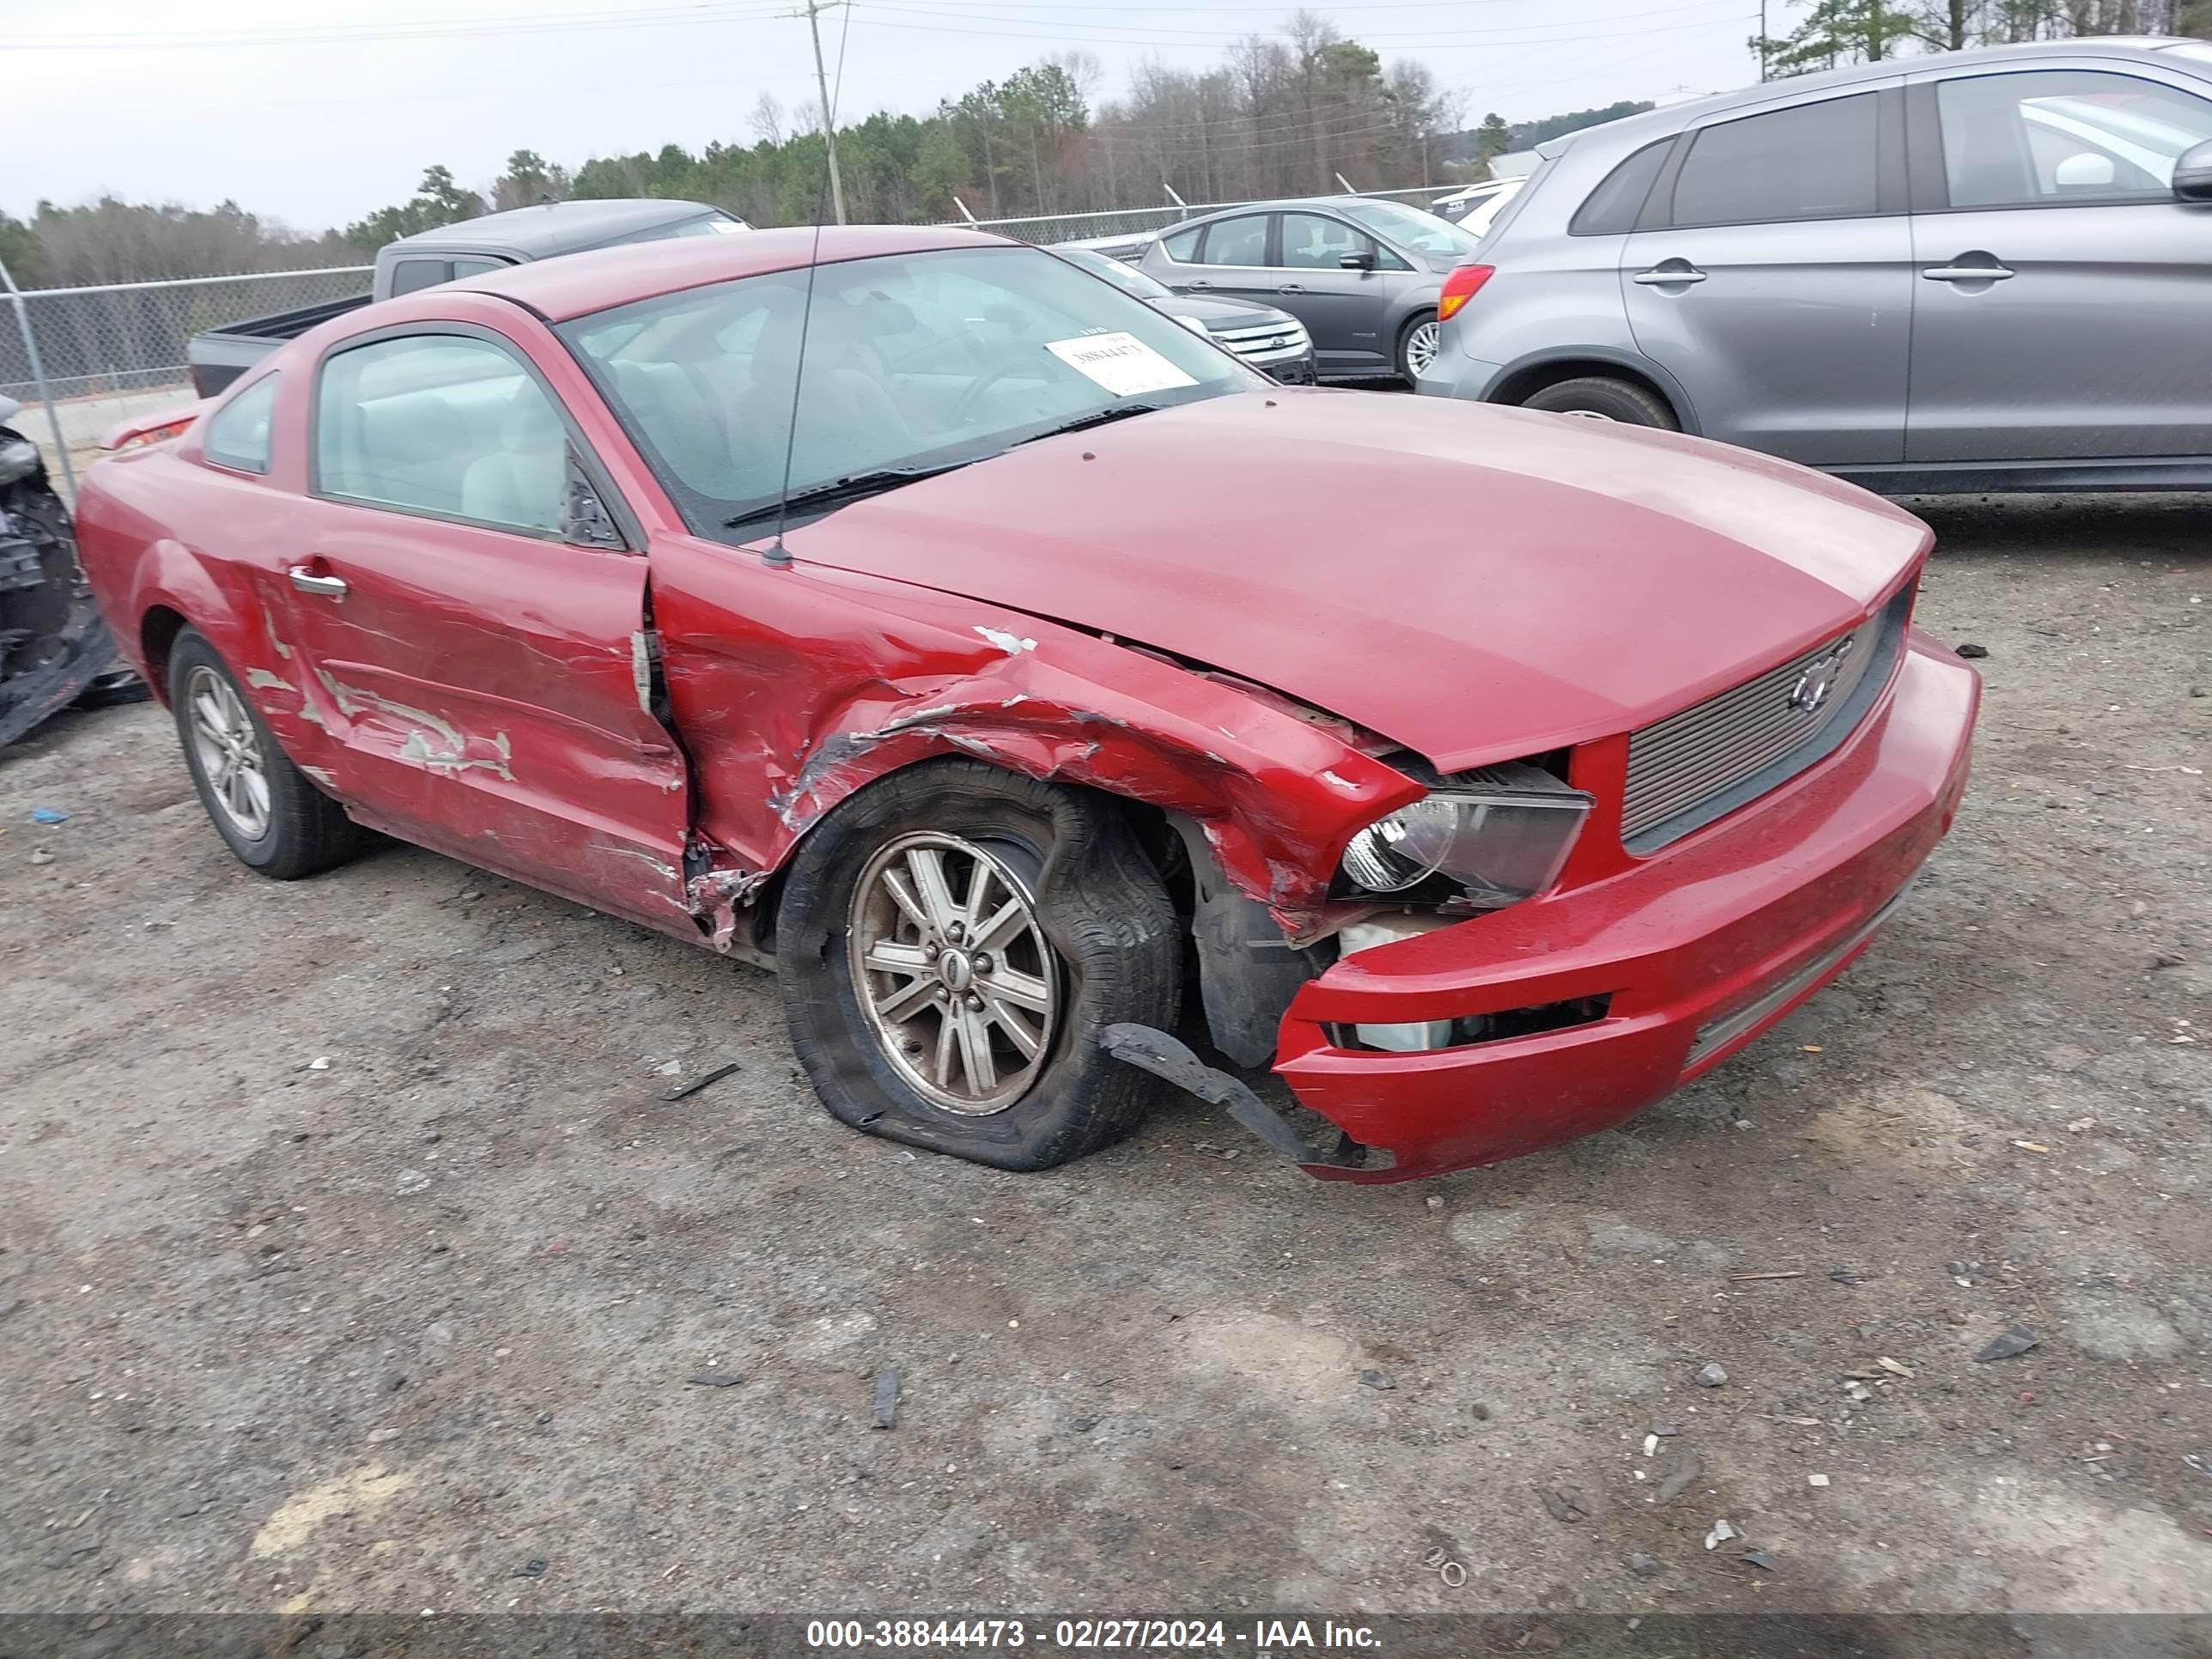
(953,941)
(953,971)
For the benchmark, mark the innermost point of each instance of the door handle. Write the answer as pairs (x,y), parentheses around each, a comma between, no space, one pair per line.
(308,580)
(1992,273)
(1196,283)
(1292,287)
(1662,275)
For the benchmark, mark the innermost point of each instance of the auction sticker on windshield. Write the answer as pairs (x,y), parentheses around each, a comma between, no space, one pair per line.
(1122,363)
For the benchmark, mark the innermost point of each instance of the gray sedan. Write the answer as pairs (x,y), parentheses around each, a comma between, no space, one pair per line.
(1362,275)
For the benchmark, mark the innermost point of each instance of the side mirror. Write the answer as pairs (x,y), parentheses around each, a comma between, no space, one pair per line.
(2192,173)
(1356,261)
(2085,170)
(584,520)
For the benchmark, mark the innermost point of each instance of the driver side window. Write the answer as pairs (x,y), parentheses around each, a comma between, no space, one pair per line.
(444,425)
(1312,242)
(2050,137)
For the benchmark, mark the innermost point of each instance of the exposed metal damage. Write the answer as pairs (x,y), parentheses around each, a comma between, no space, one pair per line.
(425,740)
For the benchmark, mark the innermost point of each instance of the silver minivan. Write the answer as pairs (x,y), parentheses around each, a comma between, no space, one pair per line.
(1978,270)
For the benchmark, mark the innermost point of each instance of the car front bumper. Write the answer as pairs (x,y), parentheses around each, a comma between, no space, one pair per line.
(1697,948)
(1291,367)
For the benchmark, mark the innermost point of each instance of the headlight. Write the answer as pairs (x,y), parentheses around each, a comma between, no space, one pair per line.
(1501,835)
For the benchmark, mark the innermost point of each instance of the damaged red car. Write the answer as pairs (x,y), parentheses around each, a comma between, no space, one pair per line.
(1012,669)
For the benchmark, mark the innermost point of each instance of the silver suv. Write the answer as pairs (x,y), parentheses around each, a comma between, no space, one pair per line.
(1981,270)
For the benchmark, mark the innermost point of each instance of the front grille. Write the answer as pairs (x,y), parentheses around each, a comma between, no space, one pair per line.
(1691,768)
(1263,339)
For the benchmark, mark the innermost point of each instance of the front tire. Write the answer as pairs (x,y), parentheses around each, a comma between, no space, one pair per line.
(263,806)
(952,940)
(1607,399)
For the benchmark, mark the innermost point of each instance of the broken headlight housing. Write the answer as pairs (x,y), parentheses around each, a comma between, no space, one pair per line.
(1482,840)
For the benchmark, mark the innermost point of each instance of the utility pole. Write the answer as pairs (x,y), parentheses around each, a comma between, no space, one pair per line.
(813,15)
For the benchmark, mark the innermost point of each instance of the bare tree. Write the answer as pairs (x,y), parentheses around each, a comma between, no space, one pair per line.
(767,120)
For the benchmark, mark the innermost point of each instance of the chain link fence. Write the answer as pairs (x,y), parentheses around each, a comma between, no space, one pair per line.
(130,337)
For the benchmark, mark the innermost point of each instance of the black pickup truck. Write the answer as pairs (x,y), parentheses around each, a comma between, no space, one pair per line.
(430,257)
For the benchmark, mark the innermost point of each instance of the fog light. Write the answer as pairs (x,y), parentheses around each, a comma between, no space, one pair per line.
(1407,1039)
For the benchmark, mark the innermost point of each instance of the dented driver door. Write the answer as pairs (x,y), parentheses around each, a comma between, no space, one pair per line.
(486,683)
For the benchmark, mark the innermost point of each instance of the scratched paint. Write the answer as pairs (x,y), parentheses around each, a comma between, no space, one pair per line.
(262,679)
(448,754)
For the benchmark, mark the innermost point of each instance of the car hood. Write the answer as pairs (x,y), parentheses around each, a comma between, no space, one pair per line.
(1472,582)
(1218,314)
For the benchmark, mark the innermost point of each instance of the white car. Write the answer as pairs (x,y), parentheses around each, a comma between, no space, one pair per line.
(1472,208)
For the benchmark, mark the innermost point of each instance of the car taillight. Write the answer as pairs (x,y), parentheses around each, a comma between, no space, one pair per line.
(139,437)
(1463,285)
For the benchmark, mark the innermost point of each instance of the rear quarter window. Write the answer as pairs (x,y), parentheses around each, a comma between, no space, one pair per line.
(1612,209)
(238,433)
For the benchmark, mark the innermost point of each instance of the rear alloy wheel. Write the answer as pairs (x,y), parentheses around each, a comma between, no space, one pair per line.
(1417,346)
(1606,398)
(264,807)
(952,940)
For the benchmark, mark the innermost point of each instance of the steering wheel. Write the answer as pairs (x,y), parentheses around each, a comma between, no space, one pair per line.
(1006,364)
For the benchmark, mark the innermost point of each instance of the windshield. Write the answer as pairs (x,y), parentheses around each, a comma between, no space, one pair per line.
(912,362)
(1408,227)
(1127,278)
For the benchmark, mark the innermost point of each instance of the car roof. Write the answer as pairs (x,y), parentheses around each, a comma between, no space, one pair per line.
(577,285)
(554,227)
(1651,124)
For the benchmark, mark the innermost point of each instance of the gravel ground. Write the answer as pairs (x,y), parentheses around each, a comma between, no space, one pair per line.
(350,1258)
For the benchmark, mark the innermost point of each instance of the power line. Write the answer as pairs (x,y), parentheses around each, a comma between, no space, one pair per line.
(706,12)
(1458,39)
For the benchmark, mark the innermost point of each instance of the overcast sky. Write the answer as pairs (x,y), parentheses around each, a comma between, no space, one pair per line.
(316,112)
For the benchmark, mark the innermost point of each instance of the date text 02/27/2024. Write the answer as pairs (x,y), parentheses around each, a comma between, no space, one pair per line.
(1259,1639)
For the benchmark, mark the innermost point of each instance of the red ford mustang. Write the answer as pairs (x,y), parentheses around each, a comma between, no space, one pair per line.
(1012,668)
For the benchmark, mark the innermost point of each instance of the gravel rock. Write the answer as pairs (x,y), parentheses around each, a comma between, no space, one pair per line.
(1564,1503)
(1709,1376)
(1644,1566)
(2017,1340)
(1687,1467)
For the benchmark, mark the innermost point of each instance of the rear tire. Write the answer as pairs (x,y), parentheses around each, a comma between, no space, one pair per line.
(1417,346)
(1608,398)
(1095,943)
(264,807)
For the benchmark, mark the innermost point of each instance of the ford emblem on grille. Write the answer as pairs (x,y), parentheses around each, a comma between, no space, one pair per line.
(1820,677)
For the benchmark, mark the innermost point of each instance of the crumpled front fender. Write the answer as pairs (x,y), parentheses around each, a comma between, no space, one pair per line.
(794,686)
